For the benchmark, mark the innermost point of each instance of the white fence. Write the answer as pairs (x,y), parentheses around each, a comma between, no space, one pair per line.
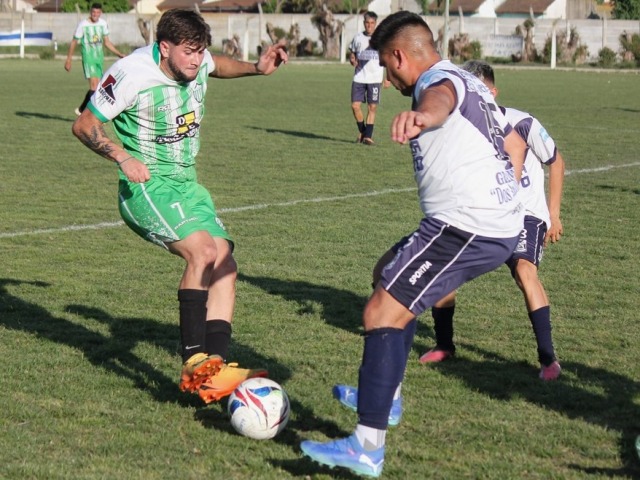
(251,28)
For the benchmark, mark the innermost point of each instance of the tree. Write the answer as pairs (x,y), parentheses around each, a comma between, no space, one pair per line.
(626,9)
(330,30)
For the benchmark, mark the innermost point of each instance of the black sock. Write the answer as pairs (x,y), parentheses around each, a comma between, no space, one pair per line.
(443,326)
(541,323)
(193,314)
(87,97)
(360,127)
(368,130)
(218,338)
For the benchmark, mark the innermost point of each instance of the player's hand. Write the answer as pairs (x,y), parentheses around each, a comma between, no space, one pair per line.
(554,233)
(386,83)
(407,125)
(67,65)
(135,170)
(272,58)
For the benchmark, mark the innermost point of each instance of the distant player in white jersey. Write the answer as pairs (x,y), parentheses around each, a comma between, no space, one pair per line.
(467,161)
(156,100)
(93,34)
(542,225)
(367,79)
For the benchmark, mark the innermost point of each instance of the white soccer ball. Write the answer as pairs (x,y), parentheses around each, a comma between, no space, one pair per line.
(259,408)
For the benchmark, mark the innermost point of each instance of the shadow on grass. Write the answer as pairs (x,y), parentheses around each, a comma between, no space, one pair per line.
(494,376)
(113,352)
(614,408)
(45,116)
(296,133)
(340,308)
(635,191)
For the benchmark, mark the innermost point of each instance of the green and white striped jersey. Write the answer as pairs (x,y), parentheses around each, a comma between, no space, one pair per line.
(90,36)
(157,119)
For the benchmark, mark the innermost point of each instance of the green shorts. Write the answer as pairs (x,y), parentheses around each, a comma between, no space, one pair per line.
(92,69)
(164,211)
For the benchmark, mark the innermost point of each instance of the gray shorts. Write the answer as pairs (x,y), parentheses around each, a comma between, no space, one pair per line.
(365,92)
(437,259)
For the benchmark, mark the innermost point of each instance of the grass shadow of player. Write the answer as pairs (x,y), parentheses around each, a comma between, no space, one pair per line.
(44,116)
(614,408)
(340,308)
(113,351)
(300,134)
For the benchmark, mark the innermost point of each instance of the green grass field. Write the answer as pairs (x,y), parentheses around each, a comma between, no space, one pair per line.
(88,311)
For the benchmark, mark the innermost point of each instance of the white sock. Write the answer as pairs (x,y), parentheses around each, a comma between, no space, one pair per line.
(370,438)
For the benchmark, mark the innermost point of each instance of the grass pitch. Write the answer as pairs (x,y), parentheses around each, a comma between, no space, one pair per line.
(88,311)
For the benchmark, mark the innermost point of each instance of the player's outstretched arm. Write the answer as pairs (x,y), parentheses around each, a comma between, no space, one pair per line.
(556,182)
(90,131)
(435,106)
(272,57)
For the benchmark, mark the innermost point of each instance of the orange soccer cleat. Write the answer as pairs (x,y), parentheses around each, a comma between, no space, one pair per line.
(225,381)
(198,369)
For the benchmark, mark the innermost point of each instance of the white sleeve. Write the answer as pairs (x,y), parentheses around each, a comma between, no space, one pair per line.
(541,143)
(117,91)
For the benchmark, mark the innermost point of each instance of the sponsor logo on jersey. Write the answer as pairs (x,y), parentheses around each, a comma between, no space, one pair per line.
(106,89)
(187,127)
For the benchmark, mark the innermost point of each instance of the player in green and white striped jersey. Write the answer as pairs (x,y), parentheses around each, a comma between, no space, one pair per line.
(155,98)
(93,35)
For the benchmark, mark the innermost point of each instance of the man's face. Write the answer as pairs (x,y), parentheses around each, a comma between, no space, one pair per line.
(396,74)
(182,61)
(94,15)
(369,25)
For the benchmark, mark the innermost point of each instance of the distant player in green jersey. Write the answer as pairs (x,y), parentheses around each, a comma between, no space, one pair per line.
(155,98)
(92,34)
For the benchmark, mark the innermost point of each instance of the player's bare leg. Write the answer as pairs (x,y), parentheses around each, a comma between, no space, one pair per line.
(356,108)
(535,297)
(200,252)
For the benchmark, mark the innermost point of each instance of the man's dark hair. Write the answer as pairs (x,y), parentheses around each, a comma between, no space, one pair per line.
(393,25)
(183,26)
(97,6)
(480,69)
(370,14)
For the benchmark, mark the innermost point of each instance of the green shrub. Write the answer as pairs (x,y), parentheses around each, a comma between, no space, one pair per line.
(606,57)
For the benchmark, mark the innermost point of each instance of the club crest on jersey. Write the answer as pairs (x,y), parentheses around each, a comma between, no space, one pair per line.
(187,127)
(106,90)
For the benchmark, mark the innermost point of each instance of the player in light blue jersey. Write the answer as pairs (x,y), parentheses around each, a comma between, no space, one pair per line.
(542,225)
(467,162)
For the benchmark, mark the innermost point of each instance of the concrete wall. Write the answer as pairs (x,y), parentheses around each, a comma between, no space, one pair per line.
(252,29)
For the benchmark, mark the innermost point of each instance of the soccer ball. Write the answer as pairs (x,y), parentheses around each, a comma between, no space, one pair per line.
(259,408)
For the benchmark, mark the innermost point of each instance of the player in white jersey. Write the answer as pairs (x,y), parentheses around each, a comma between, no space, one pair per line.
(542,225)
(155,98)
(367,79)
(467,161)
(93,34)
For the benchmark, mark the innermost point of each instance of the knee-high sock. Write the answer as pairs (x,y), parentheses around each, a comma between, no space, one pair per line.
(541,323)
(87,97)
(218,338)
(383,363)
(443,327)
(193,314)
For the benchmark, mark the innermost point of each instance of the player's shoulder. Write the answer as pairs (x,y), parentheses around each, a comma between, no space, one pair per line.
(516,115)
